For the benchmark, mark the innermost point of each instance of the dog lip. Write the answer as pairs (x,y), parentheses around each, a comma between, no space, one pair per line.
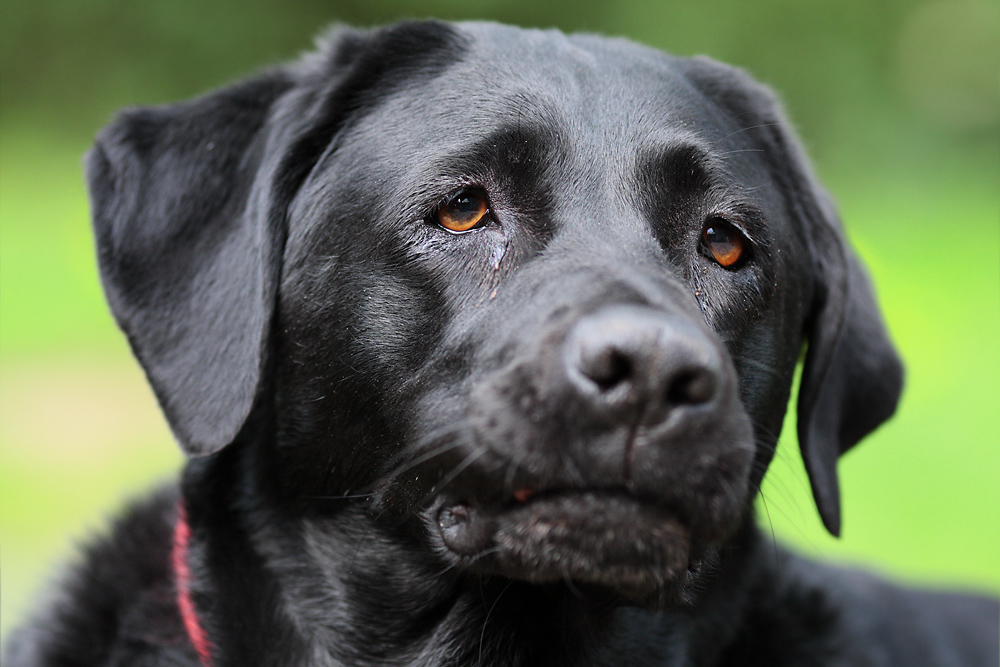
(524,494)
(604,537)
(465,530)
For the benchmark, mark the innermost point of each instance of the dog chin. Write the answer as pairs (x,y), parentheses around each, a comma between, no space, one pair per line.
(603,544)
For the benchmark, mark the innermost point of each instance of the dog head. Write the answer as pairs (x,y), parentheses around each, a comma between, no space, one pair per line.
(542,296)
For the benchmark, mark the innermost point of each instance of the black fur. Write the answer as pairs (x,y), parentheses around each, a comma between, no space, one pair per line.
(536,443)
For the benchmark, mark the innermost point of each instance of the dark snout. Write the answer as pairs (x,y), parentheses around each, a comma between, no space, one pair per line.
(627,396)
(611,449)
(638,365)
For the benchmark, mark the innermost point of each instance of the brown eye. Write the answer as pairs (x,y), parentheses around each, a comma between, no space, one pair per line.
(724,242)
(463,212)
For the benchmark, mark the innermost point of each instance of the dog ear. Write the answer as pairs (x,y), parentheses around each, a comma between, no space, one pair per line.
(852,376)
(188,266)
(189,202)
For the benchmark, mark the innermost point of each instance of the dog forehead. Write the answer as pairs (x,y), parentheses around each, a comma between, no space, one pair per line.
(599,106)
(585,121)
(600,80)
(611,94)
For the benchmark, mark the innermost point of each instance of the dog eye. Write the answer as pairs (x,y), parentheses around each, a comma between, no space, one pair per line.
(462,212)
(724,242)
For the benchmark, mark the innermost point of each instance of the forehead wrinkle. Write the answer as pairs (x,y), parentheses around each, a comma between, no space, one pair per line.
(508,149)
(680,160)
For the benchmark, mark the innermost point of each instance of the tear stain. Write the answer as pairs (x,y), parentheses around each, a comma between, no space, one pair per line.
(498,255)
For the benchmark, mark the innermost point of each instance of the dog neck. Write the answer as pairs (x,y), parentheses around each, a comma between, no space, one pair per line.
(347,589)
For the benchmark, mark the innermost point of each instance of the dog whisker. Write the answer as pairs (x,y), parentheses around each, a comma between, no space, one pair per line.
(573,470)
(770,525)
(364,536)
(570,585)
(350,496)
(450,477)
(745,129)
(482,555)
(727,487)
(764,436)
(451,442)
(482,635)
(511,472)
(757,364)
(744,150)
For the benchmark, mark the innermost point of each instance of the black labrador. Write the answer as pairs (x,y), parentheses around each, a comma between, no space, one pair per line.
(480,340)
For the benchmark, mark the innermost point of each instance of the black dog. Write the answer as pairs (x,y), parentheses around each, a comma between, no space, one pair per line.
(480,340)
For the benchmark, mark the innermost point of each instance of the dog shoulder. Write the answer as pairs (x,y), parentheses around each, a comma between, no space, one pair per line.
(117,604)
(808,613)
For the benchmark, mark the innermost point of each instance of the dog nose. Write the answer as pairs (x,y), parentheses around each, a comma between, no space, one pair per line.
(637,362)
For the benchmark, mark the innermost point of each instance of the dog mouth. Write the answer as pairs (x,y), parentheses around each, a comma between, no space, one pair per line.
(639,549)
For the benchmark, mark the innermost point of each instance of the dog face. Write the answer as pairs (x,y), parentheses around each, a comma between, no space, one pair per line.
(539,297)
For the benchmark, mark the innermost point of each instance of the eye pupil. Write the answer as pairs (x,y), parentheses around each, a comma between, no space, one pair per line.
(463,212)
(725,242)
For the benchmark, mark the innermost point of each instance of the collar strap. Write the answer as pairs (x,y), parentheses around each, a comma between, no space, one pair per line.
(182,576)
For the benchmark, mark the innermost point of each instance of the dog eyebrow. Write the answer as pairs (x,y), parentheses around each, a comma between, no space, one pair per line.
(520,151)
(679,166)
(687,170)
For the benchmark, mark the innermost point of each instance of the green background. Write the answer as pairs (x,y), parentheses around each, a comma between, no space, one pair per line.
(897,102)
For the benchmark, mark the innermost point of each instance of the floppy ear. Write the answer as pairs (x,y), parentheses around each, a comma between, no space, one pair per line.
(188,266)
(852,377)
(189,202)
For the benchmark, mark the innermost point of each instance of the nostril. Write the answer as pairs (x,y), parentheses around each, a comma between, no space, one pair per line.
(607,368)
(691,387)
(633,362)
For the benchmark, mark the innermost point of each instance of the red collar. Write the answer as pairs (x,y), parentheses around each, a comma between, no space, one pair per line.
(182,576)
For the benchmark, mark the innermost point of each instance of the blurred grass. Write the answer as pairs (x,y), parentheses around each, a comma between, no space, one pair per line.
(79,429)
(920,194)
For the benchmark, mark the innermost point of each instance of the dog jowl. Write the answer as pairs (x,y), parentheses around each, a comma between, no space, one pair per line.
(480,341)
